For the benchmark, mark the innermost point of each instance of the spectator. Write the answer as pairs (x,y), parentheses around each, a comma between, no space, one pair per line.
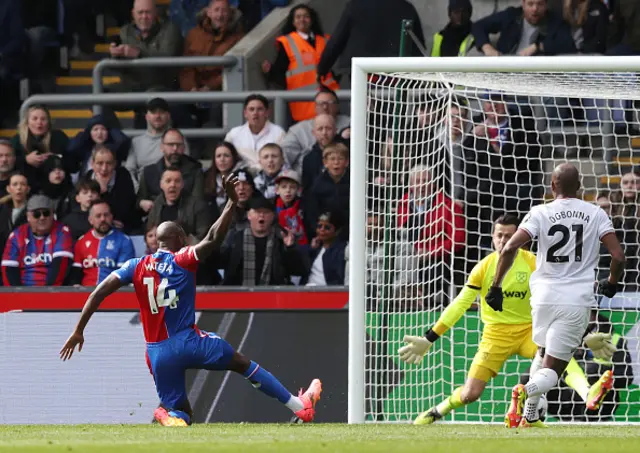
(57,185)
(225,160)
(13,207)
(86,192)
(376,257)
(529,30)
(589,20)
(455,139)
(183,13)
(39,252)
(260,254)
(11,49)
(327,252)
(330,190)
(147,36)
(289,205)
(35,141)
(626,218)
(39,20)
(324,131)
(175,205)
(624,29)
(455,40)
(7,165)
(218,29)
(502,171)
(245,190)
(256,132)
(433,229)
(116,188)
(299,50)
(101,250)
(150,240)
(603,200)
(300,138)
(100,130)
(370,28)
(271,160)
(172,147)
(145,149)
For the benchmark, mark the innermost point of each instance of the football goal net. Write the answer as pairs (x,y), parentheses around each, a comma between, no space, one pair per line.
(440,147)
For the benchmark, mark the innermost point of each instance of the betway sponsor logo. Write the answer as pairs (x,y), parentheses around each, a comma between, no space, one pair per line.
(33,259)
(90,261)
(515,294)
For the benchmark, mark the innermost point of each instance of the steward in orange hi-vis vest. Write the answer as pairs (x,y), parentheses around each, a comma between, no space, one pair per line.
(302,72)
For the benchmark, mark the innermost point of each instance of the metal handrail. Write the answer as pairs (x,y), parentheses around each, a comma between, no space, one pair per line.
(281,97)
(157,62)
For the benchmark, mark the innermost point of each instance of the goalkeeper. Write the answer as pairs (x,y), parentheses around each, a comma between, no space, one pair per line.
(507,331)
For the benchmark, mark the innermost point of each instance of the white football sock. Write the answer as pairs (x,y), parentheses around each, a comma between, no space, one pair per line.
(295,404)
(543,381)
(536,364)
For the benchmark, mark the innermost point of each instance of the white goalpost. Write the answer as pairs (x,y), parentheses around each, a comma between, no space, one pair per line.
(440,147)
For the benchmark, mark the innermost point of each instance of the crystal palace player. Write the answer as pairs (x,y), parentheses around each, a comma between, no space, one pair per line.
(569,233)
(165,288)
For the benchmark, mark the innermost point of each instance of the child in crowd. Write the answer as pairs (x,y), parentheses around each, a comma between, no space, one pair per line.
(271,158)
(288,205)
(87,191)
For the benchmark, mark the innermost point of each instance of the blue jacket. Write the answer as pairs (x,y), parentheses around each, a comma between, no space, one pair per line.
(333,262)
(556,39)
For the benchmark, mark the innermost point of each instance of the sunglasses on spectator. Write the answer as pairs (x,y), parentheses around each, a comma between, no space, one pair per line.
(324,226)
(41,213)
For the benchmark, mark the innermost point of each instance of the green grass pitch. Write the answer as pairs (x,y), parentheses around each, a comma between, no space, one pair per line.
(327,438)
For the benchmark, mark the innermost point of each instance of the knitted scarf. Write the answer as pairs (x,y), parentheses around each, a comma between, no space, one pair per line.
(249,259)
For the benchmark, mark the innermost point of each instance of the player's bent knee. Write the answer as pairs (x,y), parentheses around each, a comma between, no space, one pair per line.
(239,363)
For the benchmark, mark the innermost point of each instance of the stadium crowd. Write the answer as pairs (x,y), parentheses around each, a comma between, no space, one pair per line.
(70,204)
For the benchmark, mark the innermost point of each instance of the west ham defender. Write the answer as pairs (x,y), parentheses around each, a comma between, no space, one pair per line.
(569,233)
(165,288)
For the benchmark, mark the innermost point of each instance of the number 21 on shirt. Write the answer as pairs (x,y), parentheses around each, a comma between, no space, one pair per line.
(160,299)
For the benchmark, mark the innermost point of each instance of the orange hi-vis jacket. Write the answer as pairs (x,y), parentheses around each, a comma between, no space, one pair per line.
(302,72)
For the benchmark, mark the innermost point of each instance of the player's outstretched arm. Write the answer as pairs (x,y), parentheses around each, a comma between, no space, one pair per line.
(108,286)
(609,286)
(218,231)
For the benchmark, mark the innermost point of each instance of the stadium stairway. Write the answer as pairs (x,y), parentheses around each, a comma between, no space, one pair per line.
(73,119)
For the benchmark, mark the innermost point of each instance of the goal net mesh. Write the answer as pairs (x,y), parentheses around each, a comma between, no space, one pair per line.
(447,153)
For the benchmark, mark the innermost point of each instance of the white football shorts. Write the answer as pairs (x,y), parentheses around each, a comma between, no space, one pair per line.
(559,329)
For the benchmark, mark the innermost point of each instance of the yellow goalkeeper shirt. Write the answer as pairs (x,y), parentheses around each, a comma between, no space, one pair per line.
(515,289)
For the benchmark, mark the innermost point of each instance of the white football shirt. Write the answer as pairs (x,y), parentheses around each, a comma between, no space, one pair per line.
(569,231)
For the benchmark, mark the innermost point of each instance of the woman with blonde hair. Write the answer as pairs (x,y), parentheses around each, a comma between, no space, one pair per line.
(589,20)
(35,141)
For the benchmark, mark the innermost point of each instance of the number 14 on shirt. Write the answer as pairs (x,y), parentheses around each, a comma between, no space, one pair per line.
(160,299)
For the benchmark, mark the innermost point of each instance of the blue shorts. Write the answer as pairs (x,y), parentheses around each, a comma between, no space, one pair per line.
(191,349)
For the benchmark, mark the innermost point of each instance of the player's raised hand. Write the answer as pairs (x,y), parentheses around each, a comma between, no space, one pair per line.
(415,350)
(75,339)
(494,298)
(600,345)
(229,184)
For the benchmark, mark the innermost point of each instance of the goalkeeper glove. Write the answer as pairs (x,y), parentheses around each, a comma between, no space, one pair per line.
(415,350)
(607,289)
(494,298)
(600,345)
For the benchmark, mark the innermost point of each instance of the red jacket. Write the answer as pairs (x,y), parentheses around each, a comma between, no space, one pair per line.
(443,229)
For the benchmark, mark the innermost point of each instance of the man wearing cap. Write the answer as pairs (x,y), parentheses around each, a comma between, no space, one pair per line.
(261,253)
(245,190)
(39,252)
(145,149)
(455,40)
